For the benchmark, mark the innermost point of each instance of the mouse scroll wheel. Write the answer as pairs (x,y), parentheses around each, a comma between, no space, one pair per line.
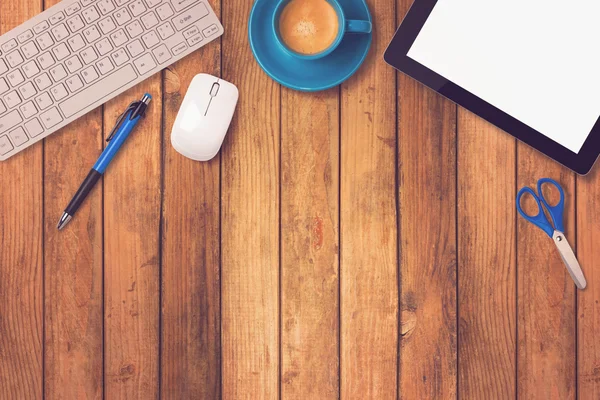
(214,89)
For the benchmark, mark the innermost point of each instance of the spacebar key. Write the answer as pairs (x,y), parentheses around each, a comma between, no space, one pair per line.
(97,92)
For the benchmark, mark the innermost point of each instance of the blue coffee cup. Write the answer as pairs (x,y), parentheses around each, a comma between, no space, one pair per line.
(344,26)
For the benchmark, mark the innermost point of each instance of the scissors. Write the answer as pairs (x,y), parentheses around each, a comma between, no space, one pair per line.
(556,232)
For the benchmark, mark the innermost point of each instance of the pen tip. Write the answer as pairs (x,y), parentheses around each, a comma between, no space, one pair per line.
(64,220)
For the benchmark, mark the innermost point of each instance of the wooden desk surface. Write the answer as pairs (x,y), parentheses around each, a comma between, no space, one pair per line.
(359,243)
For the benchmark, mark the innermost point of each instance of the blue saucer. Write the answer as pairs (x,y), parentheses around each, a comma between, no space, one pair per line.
(305,75)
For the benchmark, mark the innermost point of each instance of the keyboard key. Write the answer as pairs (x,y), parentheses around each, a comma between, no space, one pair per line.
(149,20)
(90,15)
(121,2)
(162,54)
(75,23)
(5,145)
(153,3)
(41,27)
(193,31)
(105,6)
(180,48)
(27,91)
(134,29)
(190,16)
(76,42)
(73,64)
(3,87)
(89,74)
(165,30)
(3,67)
(181,4)
(43,101)
(30,50)
(10,45)
(59,32)
(88,55)
(137,8)
(91,34)
(195,40)
(18,136)
(34,128)
(144,64)
(96,92)
(107,25)
(74,83)
(104,66)
(122,16)
(86,3)
(14,58)
(43,81)
(61,52)
(165,11)
(119,38)
(150,39)
(58,73)
(59,92)
(25,36)
(56,18)
(104,46)
(12,99)
(51,117)
(135,48)
(31,69)
(211,30)
(28,109)
(44,41)
(46,60)
(119,57)
(73,8)
(15,77)
(10,120)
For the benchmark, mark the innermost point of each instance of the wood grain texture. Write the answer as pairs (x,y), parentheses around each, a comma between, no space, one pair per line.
(368,222)
(427,193)
(132,199)
(73,263)
(21,254)
(191,319)
(486,260)
(546,297)
(249,221)
(588,306)
(310,245)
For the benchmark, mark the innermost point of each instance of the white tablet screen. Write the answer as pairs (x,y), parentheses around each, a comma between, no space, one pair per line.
(536,60)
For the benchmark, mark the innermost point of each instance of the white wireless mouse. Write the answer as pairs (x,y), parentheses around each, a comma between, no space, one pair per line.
(204,117)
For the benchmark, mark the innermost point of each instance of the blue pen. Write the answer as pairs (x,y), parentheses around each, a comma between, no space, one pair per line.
(124,126)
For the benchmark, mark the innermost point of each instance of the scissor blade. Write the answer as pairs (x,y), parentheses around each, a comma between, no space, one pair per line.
(566,252)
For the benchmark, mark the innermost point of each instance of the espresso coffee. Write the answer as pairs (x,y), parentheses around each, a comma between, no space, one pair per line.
(308,26)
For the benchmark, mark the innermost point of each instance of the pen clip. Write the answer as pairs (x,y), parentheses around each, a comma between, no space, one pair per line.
(130,107)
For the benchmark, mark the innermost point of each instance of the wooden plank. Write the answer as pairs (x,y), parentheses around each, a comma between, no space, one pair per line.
(588,301)
(191,317)
(368,222)
(486,260)
(73,263)
(546,302)
(310,245)
(132,199)
(21,258)
(427,173)
(250,221)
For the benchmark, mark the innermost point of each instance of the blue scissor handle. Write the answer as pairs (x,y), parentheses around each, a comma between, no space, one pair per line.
(556,212)
(539,219)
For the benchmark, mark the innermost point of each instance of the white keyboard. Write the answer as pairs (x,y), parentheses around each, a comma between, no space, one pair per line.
(79,54)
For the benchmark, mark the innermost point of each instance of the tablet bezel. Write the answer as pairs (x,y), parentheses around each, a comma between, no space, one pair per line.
(396,56)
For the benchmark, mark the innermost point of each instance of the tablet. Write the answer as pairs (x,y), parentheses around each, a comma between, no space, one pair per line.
(530,67)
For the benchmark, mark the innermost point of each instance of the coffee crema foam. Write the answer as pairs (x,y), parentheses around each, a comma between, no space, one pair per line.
(308,26)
